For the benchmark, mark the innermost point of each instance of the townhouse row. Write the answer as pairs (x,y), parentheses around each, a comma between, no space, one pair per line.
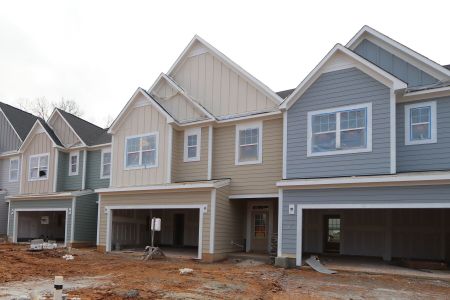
(353,161)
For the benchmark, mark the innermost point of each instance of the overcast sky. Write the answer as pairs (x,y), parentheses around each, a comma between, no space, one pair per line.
(99,52)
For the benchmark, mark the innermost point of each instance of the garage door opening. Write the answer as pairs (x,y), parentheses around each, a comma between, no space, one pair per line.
(179,235)
(46,225)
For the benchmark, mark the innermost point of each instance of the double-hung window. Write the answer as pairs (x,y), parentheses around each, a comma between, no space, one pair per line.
(13,170)
(192,142)
(340,130)
(38,167)
(105,171)
(74,161)
(141,151)
(248,144)
(420,123)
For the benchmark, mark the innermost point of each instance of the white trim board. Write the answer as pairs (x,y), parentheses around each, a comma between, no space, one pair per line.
(253,196)
(212,223)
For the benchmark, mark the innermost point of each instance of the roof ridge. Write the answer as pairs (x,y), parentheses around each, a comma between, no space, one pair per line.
(79,118)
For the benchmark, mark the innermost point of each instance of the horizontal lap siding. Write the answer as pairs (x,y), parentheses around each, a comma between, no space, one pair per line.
(9,140)
(175,198)
(3,214)
(42,204)
(425,157)
(12,188)
(86,218)
(335,89)
(66,182)
(363,195)
(254,178)
(93,167)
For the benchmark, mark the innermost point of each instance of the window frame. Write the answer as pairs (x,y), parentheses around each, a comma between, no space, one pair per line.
(433,123)
(338,111)
(39,165)
(191,132)
(253,125)
(18,169)
(72,154)
(103,176)
(140,166)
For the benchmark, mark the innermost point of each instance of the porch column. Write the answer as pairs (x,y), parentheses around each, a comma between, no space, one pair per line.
(299,248)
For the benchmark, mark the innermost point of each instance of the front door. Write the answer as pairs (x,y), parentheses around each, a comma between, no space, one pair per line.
(260,231)
(332,234)
(178,230)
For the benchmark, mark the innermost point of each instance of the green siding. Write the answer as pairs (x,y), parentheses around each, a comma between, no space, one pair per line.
(93,166)
(85,229)
(66,182)
(3,214)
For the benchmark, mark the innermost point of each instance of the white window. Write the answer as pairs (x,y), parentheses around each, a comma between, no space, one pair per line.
(420,123)
(141,151)
(248,144)
(13,170)
(38,168)
(192,142)
(74,159)
(340,130)
(105,171)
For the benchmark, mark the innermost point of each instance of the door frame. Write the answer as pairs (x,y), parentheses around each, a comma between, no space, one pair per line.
(325,228)
(250,204)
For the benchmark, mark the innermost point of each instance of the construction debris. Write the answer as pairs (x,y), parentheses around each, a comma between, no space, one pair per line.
(185,271)
(315,263)
(68,257)
(39,245)
(151,252)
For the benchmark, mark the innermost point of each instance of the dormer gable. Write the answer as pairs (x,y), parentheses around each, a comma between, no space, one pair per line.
(40,127)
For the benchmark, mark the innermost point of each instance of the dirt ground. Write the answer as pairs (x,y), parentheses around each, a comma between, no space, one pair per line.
(92,275)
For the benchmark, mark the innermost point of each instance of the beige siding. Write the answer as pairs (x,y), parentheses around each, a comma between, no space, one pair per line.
(173,198)
(39,144)
(255,178)
(63,131)
(229,222)
(219,88)
(194,170)
(140,120)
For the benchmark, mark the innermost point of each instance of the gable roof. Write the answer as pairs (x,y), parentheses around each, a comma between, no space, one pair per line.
(20,120)
(89,133)
(315,73)
(238,69)
(407,54)
(51,135)
(151,101)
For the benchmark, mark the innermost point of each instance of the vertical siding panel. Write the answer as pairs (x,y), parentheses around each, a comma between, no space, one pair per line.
(217,85)
(233,103)
(225,91)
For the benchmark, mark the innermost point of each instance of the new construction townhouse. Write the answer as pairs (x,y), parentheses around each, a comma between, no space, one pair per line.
(354,161)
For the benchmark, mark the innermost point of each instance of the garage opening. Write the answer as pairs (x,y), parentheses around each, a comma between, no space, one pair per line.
(46,225)
(179,235)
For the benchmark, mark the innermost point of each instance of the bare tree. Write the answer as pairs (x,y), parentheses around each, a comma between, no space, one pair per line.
(69,106)
(42,108)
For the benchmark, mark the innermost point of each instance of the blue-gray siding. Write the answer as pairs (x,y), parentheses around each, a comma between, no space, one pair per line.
(42,204)
(66,182)
(93,167)
(85,229)
(393,64)
(385,195)
(334,89)
(3,214)
(425,157)
(9,140)
(12,188)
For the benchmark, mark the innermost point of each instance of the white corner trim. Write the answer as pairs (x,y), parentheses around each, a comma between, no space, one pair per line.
(433,121)
(393,132)
(280,223)
(212,227)
(83,178)
(77,155)
(285,134)
(337,110)
(190,132)
(169,154)
(112,162)
(258,125)
(98,218)
(299,233)
(210,151)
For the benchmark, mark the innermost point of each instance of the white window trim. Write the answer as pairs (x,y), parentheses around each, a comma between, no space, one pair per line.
(72,154)
(433,122)
(198,133)
(18,169)
(252,125)
(29,166)
(156,134)
(368,148)
(102,176)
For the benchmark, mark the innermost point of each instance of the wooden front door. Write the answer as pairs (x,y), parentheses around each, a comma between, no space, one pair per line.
(332,234)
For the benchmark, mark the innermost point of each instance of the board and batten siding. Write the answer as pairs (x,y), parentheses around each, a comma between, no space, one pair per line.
(12,188)
(85,229)
(40,144)
(360,195)
(63,131)
(172,198)
(332,90)
(140,120)
(219,88)
(253,178)
(42,204)
(64,181)
(192,170)
(9,140)
(93,171)
(425,157)
(394,65)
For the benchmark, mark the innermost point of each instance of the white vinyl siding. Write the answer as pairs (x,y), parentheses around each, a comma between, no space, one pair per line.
(14,169)
(141,151)
(192,143)
(105,166)
(420,123)
(38,167)
(248,144)
(74,160)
